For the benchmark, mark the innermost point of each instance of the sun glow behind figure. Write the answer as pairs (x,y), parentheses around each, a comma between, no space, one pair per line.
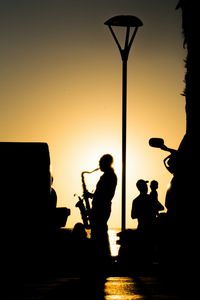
(90,161)
(67,172)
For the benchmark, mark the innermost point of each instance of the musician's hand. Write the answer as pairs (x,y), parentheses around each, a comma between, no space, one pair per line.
(88,195)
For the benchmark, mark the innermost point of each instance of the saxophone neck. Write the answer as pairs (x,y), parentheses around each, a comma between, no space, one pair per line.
(89,172)
(85,191)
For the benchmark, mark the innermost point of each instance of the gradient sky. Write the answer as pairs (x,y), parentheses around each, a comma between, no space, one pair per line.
(61,83)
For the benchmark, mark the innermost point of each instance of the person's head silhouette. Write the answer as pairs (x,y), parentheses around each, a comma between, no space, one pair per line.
(154,185)
(105,162)
(142,185)
(79,231)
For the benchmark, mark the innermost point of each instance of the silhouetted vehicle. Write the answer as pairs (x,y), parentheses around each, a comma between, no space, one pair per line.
(30,226)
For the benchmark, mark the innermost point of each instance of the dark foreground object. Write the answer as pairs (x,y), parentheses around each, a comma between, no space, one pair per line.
(36,253)
(30,226)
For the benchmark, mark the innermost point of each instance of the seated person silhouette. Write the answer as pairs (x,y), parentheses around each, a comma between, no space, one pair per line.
(79,250)
(53,195)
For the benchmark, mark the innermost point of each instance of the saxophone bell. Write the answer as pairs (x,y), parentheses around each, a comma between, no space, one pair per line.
(83,211)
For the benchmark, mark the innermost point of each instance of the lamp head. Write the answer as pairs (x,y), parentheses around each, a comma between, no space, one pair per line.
(124,21)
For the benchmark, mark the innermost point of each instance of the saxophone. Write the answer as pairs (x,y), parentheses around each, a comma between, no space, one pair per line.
(84,204)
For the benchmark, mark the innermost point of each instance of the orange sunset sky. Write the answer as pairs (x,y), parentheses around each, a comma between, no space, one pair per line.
(61,83)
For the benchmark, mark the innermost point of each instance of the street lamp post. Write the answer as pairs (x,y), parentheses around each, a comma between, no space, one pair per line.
(128,22)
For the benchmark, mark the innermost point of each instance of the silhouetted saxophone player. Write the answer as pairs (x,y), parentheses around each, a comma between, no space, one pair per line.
(96,217)
(101,206)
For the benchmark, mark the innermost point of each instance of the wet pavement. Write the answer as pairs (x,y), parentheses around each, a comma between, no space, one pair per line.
(114,288)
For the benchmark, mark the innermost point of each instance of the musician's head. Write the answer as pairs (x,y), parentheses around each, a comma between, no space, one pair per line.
(105,162)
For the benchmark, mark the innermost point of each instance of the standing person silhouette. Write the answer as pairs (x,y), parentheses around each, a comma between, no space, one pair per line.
(143,211)
(154,198)
(146,207)
(157,226)
(141,208)
(101,207)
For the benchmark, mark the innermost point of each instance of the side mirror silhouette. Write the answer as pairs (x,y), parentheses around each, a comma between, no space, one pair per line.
(157,143)
(170,160)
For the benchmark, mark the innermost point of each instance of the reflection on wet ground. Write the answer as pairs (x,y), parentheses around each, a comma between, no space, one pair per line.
(138,288)
(122,288)
(115,288)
